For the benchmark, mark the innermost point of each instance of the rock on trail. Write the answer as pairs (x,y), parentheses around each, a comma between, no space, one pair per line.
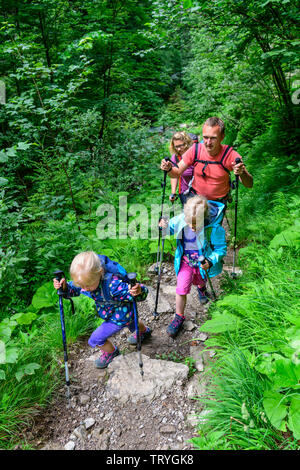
(125,381)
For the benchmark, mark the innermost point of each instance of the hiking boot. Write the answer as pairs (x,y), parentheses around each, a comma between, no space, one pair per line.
(133,338)
(106,358)
(203,296)
(175,325)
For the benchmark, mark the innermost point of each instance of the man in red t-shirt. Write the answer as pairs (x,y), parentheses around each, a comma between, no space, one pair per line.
(210,179)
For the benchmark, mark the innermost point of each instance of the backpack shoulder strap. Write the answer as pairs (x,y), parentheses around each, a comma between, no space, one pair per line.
(105,286)
(196,153)
(227,151)
(111,268)
(207,162)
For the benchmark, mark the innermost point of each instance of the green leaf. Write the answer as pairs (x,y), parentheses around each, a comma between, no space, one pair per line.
(19,374)
(289,237)
(220,323)
(2,352)
(28,369)
(294,417)
(2,375)
(11,355)
(275,409)
(11,152)
(45,296)
(5,331)
(3,181)
(23,146)
(265,364)
(3,157)
(26,318)
(294,339)
(187,3)
(285,374)
(241,303)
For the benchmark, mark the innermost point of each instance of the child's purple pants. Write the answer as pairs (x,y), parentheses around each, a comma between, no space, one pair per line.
(105,330)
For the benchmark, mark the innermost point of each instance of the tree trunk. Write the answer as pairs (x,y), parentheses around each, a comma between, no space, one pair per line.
(46,44)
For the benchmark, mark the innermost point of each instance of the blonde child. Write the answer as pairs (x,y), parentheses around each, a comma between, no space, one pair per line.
(97,277)
(198,232)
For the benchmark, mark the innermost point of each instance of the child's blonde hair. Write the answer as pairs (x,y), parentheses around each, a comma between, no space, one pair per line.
(86,268)
(196,209)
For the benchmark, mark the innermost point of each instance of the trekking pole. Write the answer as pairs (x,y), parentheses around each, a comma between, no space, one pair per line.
(233,274)
(163,185)
(160,251)
(202,261)
(59,275)
(155,314)
(132,280)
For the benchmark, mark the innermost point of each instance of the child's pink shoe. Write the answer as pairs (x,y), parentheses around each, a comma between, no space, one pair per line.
(106,358)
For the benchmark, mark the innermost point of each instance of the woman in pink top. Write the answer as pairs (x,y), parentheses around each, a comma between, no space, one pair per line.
(211,178)
(180,143)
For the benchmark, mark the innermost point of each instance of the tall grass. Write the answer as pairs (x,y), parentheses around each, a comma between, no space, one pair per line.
(253,394)
(40,343)
(263,300)
(236,418)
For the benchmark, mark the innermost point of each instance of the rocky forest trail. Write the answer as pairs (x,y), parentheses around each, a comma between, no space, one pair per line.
(114,408)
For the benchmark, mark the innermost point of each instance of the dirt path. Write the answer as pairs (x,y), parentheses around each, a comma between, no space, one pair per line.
(97,421)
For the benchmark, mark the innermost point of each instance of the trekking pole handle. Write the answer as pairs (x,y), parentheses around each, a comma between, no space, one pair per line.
(132,279)
(167,159)
(59,275)
(202,259)
(237,161)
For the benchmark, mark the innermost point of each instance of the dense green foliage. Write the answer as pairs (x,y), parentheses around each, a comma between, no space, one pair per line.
(84,82)
(257,327)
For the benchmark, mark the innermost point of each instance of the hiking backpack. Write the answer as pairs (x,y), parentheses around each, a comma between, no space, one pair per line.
(207,162)
(111,268)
